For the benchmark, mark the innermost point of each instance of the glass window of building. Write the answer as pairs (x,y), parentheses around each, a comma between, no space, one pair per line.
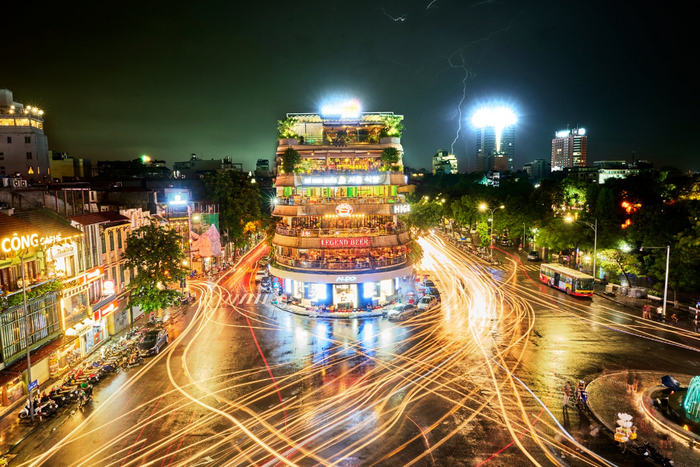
(111,241)
(104,244)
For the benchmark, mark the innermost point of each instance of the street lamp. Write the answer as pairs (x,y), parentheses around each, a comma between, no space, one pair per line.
(668,257)
(593,226)
(485,207)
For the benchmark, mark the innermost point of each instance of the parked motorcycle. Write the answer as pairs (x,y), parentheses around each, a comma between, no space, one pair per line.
(39,410)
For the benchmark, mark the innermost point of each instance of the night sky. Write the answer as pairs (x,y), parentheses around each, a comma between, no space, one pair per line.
(121,79)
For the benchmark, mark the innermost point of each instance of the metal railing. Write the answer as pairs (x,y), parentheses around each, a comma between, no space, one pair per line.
(349,264)
(327,232)
(313,200)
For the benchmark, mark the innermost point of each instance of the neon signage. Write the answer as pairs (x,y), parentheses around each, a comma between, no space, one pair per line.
(346,279)
(350,109)
(401,209)
(344,180)
(106,310)
(93,274)
(343,210)
(345,242)
(17,242)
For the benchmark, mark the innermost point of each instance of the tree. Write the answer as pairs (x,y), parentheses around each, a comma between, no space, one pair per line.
(239,202)
(155,253)
(393,125)
(290,160)
(390,156)
(425,215)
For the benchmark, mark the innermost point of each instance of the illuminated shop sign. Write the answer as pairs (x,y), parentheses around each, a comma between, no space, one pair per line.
(345,242)
(401,209)
(177,199)
(343,210)
(349,109)
(346,279)
(93,274)
(17,242)
(106,310)
(331,180)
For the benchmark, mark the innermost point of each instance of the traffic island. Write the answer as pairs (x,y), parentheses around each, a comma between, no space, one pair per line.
(609,395)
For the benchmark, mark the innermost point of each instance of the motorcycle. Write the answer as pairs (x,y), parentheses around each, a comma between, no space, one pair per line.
(134,360)
(84,397)
(39,410)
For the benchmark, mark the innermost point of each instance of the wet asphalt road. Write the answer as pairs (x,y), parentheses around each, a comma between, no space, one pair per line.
(244,383)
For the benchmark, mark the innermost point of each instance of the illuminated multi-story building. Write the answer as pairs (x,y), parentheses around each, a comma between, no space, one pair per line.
(24,148)
(569,149)
(340,241)
(495,139)
(444,163)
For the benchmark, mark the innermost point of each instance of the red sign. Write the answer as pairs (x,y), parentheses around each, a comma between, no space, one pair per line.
(492,247)
(106,310)
(345,242)
(93,274)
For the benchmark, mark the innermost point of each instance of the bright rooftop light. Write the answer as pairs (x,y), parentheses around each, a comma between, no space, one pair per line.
(498,117)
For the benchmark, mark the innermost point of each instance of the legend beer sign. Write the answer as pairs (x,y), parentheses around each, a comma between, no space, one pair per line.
(359,242)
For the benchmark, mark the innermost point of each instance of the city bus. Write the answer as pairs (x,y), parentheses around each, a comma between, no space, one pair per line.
(567,280)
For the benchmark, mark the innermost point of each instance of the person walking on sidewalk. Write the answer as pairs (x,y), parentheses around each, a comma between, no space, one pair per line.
(567,394)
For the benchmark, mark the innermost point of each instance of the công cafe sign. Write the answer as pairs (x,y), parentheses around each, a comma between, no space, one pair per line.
(21,242)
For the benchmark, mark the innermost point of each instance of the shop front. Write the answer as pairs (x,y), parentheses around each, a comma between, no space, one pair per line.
(99,320)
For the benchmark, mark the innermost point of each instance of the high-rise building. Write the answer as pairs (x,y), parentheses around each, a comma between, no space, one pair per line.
(538,169)
(24,148)
(262,168)
(444,163)
(340,241)
(569,149)
(495,139)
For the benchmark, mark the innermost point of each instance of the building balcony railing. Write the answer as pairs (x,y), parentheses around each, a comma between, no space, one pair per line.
(328,232)
(347,264)
(303,200)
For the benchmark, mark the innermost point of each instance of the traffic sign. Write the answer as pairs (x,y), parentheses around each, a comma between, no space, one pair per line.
(33,385)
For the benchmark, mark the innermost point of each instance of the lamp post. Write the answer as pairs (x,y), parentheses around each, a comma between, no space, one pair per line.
(593,226)
(523,244)
(668,257)
(26,336)
(485,207)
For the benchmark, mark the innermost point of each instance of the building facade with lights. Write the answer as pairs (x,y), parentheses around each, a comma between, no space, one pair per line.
(24,148)
(444,163)
(569,149)
(340,242)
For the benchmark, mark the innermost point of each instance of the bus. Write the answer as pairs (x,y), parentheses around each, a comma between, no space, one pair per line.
(567,280)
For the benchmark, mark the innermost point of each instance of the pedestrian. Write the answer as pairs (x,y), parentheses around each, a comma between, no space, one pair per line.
(660,313)
(567,394)
(630,381)
(645,312)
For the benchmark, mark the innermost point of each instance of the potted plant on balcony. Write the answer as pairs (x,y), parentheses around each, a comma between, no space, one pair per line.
(390,157)
(290,160)
(287,136)
(391,133)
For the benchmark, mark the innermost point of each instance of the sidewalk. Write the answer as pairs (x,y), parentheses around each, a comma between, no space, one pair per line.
(608,396)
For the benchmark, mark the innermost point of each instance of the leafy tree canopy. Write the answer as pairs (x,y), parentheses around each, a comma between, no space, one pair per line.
(156,254)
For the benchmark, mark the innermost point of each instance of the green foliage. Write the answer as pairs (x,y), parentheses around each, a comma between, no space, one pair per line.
(424,215)
(414,251)
(155,253)
(391,156)
(616,262)
(239,202)
(284,127)
(393,126)
(484,232)
(290,160)
(32,294)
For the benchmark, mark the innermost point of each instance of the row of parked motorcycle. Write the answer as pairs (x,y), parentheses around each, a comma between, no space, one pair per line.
(77,384)
(480,253)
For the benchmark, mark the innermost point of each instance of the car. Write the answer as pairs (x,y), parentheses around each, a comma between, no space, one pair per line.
(427,302)
(506,242)
(259,274)
(152,341)
(401,312)
(264,261)
(429,284)
(533,256)
(266,284)
(434,292)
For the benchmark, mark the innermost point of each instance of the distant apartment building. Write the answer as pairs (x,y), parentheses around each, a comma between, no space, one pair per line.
(262,168)
(24,148)
(65,168)
(197,168)
(444,163)
(538,169)
(569,149)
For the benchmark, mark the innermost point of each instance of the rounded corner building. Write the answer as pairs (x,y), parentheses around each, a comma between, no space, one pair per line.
(340,242)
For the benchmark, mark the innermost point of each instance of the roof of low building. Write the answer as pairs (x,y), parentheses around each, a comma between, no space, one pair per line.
(89,219)
(48,222)
(10,225)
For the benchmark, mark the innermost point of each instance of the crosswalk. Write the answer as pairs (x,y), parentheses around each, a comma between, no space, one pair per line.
(252,298)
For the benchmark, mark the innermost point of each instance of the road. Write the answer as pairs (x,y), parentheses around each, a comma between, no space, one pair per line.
(475,382)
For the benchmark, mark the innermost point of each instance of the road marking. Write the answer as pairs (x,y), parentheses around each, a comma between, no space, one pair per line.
(250,297)
(235,297)
(242,298)
(257,299)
